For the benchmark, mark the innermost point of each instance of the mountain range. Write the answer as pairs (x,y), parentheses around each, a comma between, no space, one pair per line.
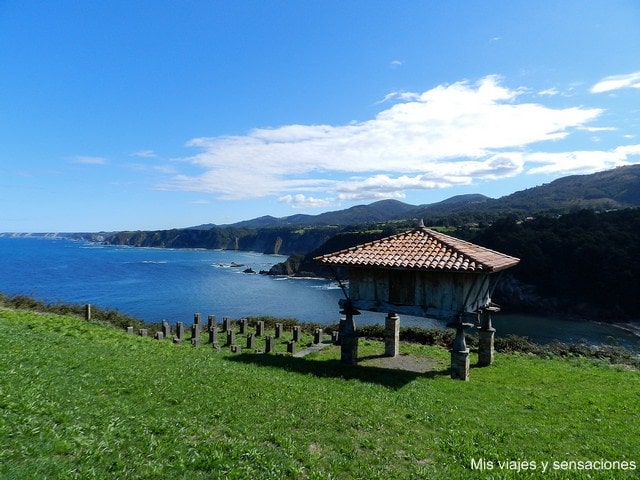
(607,190)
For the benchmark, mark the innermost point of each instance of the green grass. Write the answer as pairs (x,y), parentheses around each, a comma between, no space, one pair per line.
(84,400)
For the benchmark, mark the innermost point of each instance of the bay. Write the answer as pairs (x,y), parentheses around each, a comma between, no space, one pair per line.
(155,284)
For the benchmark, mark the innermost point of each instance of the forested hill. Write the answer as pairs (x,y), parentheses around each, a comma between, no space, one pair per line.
(584,264)
(611,189)
(300,234)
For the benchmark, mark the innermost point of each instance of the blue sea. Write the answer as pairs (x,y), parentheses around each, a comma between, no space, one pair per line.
(172,284)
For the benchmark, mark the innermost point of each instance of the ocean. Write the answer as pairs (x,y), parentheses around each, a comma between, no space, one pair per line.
(172,284)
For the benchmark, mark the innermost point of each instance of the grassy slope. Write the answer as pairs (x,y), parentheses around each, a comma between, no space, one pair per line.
(82,400)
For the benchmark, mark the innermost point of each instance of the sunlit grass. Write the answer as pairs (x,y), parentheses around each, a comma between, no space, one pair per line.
(85,400)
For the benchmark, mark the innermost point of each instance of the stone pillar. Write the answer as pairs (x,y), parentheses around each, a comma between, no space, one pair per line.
(213,334)
(87,312)
(486,335)
(278,330)
(166,329)
(335,337)
(226,324)
(259,328)
(348,337)
(196,320)
(460,353)
(130,330)
(195,334)
(291,347)
(244,325)
(251,340)
(143,332)
(297,333)
(270,344)
(340,329)
(460,365)
(392,335)
(158,336)
(317,336)
(231,337)
(211,323)
(180,331)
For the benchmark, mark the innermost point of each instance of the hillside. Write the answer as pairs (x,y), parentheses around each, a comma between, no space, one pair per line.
(295,234)
(84,400)
(610,189)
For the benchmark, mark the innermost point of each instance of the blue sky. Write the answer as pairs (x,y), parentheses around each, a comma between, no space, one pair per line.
(118,115)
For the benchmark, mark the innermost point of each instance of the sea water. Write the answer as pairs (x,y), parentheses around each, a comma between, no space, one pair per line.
(156,284)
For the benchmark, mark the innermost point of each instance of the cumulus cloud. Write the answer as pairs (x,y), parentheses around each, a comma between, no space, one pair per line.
(582,162)
(616,82)
(302,201)
(449,135)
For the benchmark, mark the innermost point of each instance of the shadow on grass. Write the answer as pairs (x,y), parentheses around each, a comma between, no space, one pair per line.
(387,377)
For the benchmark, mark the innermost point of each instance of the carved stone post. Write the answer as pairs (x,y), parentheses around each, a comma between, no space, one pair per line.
(195,335)
(166,329)
(179,332)
(348,337)
(392,335)
(460,352)
(486,334)
(270,344)
(244,326)
(211,322)
(297,333)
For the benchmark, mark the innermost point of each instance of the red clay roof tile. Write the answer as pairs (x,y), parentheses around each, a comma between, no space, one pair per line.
(421,249)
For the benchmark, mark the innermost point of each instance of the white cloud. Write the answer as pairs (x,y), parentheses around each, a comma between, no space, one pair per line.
(449,135)
(549,92)
(301,201)
(583,161)
(616,82)
(87,160)
(144,154)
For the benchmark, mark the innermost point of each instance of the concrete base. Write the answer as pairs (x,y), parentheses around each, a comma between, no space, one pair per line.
(485,346)
(460,365)
(391,335)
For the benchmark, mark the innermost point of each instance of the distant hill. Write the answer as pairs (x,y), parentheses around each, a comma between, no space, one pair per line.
(617,188)
(607,190)
(380,211)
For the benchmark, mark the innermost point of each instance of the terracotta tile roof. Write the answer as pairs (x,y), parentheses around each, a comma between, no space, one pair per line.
(421,249)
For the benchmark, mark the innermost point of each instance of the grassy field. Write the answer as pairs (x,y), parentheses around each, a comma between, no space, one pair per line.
(85,400)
